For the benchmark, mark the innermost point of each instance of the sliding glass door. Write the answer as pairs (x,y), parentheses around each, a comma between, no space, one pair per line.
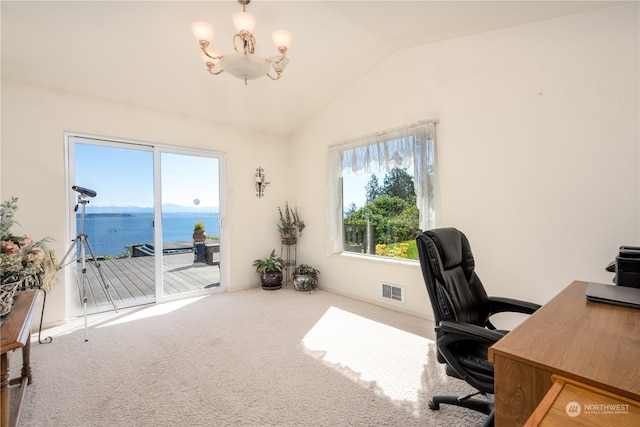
(190,218)
(117,221)
(140,244)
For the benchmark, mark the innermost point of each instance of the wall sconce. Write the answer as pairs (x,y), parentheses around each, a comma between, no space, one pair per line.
(261,182)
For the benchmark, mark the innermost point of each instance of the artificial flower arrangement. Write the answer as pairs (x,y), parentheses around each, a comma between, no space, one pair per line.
(23,261)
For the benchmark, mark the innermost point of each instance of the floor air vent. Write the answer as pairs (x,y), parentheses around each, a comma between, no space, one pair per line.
(392,292)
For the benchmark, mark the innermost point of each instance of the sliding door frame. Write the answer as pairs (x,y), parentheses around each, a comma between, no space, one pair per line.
(157,149)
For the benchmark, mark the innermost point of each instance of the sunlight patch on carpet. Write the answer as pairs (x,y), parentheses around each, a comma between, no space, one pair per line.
(370,352)
(152,311)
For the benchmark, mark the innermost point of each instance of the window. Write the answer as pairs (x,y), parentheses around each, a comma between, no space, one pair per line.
(384,191)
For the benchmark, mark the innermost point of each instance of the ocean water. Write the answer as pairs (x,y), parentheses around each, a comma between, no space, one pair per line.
(111,233)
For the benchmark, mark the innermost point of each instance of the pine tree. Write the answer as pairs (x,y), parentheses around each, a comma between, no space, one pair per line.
(373,189)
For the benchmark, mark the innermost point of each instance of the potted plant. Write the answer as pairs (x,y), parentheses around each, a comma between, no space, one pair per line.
(24,263)
(270,270)
(290,224)
(199,233)
(305,277)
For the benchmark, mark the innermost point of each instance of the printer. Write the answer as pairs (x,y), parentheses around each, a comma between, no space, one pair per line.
(627,267)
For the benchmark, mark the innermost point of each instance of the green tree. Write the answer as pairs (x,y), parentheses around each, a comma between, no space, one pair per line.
(352,208)
(373,189)
(398,183)
(395,219)
(391,208)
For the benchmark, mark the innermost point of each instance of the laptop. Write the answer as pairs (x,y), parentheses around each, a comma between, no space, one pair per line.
(611,294)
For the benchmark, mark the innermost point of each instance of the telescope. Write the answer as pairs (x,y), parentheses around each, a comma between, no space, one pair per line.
(80,244)
(84,191)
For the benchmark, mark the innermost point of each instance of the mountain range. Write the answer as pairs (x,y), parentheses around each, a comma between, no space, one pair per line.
(166,208)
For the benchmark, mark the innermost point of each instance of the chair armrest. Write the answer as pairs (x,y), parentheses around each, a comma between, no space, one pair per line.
(469,331)
(501,305)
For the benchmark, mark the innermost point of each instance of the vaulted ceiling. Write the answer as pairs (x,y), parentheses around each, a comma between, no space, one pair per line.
(142,53)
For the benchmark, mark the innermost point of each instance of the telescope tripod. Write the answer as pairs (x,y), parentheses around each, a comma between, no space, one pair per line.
(82,241)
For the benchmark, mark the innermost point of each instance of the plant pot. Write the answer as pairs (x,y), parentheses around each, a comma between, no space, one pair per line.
(302,283)
(199,235)
(7,290)
(271,280)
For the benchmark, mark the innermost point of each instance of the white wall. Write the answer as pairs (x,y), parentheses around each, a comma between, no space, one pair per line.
(538,152)
(32,158)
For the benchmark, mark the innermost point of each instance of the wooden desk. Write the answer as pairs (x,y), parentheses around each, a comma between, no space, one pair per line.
(571,402)
(593,343)
(16,329)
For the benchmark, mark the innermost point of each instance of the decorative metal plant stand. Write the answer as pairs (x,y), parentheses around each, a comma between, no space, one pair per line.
(35,283)
(8,290)
(288,252)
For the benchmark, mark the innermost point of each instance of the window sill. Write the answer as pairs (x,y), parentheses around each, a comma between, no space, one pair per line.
(388,260)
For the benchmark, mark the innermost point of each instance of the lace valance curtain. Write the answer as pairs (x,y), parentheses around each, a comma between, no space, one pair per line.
(411,146)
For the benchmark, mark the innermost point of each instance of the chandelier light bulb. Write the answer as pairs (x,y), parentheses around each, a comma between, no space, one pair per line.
(279,64)
(203,31)
(244,22)
(281,38)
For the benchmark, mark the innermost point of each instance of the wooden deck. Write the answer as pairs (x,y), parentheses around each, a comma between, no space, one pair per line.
(131,280)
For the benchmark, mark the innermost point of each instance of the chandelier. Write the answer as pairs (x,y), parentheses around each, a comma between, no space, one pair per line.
(242,64)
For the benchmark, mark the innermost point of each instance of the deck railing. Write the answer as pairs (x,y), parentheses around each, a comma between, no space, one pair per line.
(360,238)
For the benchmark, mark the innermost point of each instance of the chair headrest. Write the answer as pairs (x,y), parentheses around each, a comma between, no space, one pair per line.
(450,243)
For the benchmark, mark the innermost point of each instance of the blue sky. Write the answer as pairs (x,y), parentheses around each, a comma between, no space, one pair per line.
(124,177)
(353,189)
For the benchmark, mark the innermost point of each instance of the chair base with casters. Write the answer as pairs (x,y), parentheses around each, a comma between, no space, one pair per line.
(469,402)
(485,406)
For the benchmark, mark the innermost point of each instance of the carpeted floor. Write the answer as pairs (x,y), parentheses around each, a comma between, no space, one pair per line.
(249,358)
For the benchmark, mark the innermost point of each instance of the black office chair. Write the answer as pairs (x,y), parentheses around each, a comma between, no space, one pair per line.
(461,310)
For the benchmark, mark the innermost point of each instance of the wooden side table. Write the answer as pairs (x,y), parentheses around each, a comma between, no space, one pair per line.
(15,331)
